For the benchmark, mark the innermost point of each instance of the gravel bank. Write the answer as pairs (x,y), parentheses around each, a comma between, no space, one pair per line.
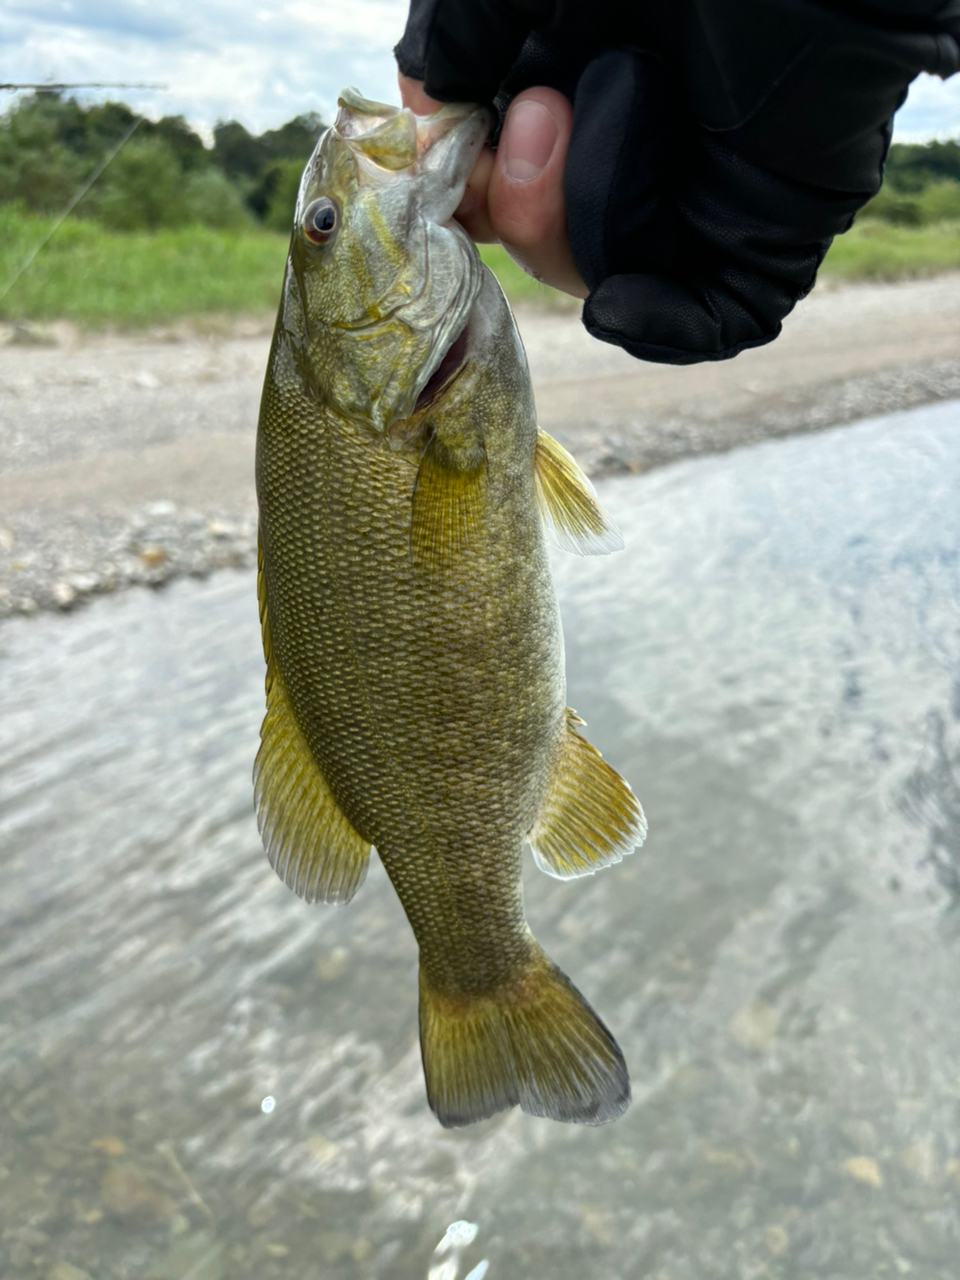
(129,460)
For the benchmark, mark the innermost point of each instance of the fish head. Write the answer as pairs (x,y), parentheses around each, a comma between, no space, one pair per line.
(380,280)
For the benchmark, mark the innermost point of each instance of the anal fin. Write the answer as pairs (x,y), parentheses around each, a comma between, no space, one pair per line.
(309,840)
(589,818)
(568,503)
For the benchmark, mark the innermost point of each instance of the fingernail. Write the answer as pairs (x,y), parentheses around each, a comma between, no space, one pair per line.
(530,136)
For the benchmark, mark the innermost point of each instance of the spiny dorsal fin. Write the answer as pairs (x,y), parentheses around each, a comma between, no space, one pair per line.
(310,842)
(449,504)
(589,818)
(568,503)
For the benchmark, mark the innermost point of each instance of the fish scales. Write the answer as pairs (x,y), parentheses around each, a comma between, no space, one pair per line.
(370,648)
(416,694)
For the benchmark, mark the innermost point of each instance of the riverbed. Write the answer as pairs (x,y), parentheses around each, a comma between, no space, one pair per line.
(202,1076)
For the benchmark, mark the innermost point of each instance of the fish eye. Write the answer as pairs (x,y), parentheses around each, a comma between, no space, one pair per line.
(321,221)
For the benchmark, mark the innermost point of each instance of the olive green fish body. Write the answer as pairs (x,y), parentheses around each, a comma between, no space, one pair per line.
(415,685)
(432,702)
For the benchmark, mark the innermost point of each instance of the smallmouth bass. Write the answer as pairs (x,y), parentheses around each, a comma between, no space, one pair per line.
(415,682)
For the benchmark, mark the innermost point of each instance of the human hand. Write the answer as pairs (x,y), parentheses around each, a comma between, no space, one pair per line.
(714,153)
(515,195)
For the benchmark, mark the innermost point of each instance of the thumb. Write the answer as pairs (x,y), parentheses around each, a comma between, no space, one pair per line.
(525,196)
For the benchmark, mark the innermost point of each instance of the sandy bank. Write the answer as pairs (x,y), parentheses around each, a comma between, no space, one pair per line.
(130,459)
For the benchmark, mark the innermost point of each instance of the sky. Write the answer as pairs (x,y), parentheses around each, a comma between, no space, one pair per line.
(263,63)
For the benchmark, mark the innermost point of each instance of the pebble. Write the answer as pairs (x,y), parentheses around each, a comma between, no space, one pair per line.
(755,1026)
(199,1256)
(134,1197)
(334,966)
(61,568)
(63,595)
(864,1169)
(921,1160)
(109,1145)
(334,1245)
(777,1239)
(67,1271)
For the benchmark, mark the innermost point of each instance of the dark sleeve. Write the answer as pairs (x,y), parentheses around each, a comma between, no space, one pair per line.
(462,50)
(718,145)
(710,170)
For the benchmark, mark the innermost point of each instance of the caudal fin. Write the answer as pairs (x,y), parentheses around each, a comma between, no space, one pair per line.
(536,1043)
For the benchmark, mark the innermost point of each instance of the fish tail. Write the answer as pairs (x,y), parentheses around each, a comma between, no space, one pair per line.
(536,1043)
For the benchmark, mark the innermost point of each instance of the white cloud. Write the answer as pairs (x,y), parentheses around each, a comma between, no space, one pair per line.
(265,62)
(932,110)
(219,60)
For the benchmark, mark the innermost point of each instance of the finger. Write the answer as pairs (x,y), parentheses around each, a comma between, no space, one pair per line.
(472,211)
(525,194)
(412,95)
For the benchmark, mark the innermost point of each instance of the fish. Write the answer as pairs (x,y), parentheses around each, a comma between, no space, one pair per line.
(415,686)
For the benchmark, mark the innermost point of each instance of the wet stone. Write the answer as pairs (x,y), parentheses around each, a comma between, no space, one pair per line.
(755,1026)
(67,1271)
(864,1169)
(134,1197)
(199,1256)
(109,1145)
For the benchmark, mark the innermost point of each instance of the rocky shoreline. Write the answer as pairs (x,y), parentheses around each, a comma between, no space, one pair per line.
(86,556)
(128,461)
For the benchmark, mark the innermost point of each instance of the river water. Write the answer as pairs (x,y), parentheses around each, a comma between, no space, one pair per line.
(201,1077)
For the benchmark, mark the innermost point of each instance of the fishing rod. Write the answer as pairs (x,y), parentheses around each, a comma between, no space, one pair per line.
(50,86)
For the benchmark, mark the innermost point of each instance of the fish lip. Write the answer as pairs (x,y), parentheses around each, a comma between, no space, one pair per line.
(386,139)
(451,365)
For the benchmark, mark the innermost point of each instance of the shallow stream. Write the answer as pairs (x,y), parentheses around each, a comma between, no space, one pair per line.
(202,1077)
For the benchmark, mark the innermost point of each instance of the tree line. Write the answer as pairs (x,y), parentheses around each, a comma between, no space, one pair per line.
(165,175)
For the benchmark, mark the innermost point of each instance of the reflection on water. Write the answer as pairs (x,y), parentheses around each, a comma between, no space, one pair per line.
(458,1236)
(200,1076)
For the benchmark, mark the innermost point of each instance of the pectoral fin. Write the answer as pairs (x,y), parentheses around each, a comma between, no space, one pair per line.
(449,502)
(589,818)
(309,840)
(568,503)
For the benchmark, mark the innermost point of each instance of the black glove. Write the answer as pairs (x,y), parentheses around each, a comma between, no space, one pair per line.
(718,145)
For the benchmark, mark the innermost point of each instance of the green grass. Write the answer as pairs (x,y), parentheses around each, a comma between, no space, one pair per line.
(99,279)
(517,285)
(102,279)
(874,250)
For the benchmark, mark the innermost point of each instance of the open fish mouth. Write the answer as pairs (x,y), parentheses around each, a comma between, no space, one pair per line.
(392,139)
(451,362)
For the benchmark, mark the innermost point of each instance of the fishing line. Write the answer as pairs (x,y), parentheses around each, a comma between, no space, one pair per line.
(70,207)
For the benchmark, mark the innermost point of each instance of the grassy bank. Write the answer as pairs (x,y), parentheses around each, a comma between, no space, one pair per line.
(874,250)
(97,278)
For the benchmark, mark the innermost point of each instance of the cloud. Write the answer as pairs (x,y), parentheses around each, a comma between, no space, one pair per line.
(265,62)
(261,64)
(932,110)
(111,16)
